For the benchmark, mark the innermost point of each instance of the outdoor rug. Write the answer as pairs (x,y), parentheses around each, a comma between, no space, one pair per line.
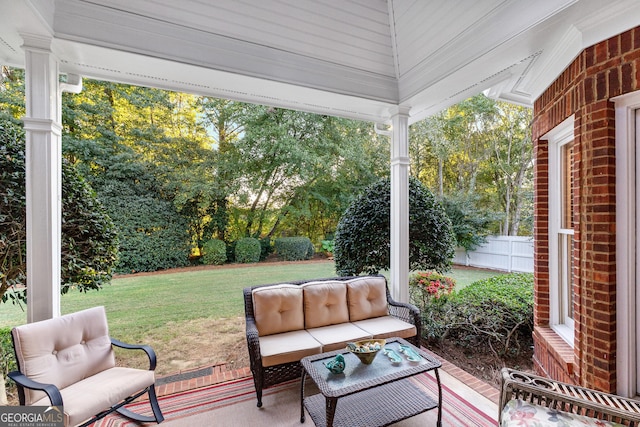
(233,404)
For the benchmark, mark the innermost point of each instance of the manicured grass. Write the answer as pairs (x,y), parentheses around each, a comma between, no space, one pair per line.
(155,305)
(466,276)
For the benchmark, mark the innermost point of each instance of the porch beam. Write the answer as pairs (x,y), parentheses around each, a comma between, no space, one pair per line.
(399,275)
(43,130)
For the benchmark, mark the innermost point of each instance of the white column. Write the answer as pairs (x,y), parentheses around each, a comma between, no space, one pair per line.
(400,205)
(43,130)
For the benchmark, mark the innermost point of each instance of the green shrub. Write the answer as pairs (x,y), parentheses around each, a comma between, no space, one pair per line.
(214,252)
(363,236)
(328,246)
(294,248)
(7,356)
(266,248)
(248,250)
(89,245)
(153,236)
(496,313)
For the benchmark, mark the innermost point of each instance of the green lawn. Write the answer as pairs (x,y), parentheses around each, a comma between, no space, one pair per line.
(152,305)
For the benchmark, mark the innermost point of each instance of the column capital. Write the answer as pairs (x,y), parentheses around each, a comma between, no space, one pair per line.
(400,110)
(35,42)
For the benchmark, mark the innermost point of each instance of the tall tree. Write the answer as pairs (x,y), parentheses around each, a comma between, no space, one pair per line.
(292,161)
(512,163)
(430,136)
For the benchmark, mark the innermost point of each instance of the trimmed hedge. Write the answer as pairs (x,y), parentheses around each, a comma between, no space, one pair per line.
(294,248)
(496,313)
(214,252)
(248,250)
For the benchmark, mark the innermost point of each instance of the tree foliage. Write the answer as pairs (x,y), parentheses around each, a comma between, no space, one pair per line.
(89,240)
(363,237)
(479,150)
(470,224)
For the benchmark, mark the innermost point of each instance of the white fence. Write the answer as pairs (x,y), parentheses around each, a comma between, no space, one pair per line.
(508,253)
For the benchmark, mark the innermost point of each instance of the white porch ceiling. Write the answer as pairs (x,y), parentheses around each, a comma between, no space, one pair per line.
(352,58)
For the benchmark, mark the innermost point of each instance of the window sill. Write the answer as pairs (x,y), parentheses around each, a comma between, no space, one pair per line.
(557,347)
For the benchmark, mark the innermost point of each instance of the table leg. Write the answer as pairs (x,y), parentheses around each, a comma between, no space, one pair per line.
(331,403)
(439,424)
(304,374)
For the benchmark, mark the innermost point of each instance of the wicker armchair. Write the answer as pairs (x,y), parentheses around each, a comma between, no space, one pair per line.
(570,399)
(264,377)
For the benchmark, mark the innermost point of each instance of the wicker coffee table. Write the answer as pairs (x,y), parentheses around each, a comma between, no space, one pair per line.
(367,395)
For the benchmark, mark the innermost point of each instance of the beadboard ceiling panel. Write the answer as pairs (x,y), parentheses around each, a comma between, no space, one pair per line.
(352,34)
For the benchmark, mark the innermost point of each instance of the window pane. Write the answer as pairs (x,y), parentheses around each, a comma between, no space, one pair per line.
(566,191)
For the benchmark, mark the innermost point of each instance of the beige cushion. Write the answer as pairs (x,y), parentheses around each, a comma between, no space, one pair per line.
(287,347)
(367,298)
(278,309)
(64,350)
(96,393)
(387,327)
(336,337)
(325,303)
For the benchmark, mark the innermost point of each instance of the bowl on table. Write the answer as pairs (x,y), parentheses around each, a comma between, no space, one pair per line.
(366,350)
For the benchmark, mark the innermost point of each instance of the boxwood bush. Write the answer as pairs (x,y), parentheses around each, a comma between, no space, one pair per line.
(214,252)
(495,313)
(248,250)
(294,248)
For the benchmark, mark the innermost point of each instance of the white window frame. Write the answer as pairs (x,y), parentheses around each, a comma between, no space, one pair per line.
(559,297)
(627,241)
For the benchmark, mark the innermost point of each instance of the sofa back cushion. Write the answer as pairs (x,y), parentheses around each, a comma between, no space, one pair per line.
(278,308)
(325,303)
(63,350)
(367,297)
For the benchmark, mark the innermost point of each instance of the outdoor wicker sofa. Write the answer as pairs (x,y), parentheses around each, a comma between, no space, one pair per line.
(69,362)
(528,399)
(288,321)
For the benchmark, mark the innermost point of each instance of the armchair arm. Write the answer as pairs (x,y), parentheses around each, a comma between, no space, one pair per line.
(407,312)
(23,381)
(147,349)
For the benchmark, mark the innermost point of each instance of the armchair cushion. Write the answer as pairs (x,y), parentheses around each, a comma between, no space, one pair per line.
(525,414)
(48,356)
(85,402)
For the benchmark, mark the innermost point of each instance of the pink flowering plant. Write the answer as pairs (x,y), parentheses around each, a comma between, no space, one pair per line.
(430,291)
(429,285)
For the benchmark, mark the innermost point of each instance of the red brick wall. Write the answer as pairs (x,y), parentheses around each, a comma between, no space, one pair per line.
(600,72)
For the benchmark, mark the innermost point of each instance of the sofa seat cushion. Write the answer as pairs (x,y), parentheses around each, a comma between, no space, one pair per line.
(524,414)
(367,298)
(387,327)
(287,347)
(325,303)
(278,309)
(83,399)
(336,337)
